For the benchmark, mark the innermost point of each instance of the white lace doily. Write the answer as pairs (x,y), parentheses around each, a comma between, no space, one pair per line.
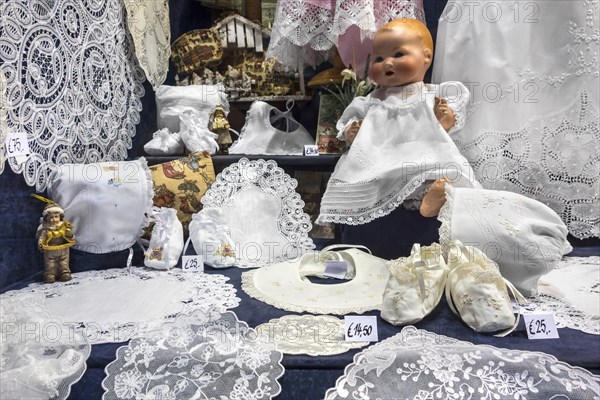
(40,357)
(263,212)
(417,364)
(73,82)
(3,110)
(315,335)
(283,286)
(110,306)
(549,148)
(200,356)
(304,31)
(149,25)
(572,293)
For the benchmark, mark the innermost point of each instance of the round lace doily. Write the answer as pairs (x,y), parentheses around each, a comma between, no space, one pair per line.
(417,364)
(205,355)
(264,214)
(3,111)
(114,305)
(281,286)
(572,293)
(40,357)
(315,335)
(73,83)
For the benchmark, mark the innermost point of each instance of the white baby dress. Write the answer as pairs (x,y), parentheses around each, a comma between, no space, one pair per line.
(400,146)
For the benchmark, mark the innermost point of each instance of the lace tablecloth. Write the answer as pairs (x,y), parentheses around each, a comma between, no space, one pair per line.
(114,305)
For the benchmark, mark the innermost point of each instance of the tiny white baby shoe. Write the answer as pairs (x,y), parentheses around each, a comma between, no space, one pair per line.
(164,143)
(166,242)
(415,285)
(477,292)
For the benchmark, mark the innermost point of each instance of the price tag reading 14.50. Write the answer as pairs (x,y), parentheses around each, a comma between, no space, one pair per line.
(540,326)
(361,329)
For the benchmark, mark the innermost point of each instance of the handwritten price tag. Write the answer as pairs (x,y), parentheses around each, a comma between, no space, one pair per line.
(16,144)
(192,263)
(336,269)
(540,326)
(361,328)
(311,150)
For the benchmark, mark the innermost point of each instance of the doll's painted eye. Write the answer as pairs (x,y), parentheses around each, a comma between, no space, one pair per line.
(378,59)
(399,54)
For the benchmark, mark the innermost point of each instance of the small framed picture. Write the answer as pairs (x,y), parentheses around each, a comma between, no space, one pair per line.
(329,113)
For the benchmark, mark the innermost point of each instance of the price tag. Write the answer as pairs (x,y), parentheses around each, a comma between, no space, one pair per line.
(361,328)
(311,150)
(192,263)
(16,144)
(540,326)
(336,269)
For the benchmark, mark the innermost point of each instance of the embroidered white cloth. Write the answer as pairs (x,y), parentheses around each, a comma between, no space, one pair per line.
(114,305)
(533,121)
(263,212)
(149,25)
(305,30)
(4,105)
(210,236)
(315,335)
(400,146)
(523,236)
(204,355)
(40,357)
(417,364)
(73,82)
(107,203)
(285,286)
(572,293)
(259,136)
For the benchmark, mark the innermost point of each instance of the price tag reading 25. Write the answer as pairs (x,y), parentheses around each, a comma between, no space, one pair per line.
(540,326)
(361,329)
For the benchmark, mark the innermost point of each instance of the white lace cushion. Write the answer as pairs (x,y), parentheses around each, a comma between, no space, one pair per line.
(106,202)
(172,101)
(210,238)
(525,237)
(166,242)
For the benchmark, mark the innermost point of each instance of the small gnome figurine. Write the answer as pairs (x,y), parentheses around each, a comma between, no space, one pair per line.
(220,126)
(54,237)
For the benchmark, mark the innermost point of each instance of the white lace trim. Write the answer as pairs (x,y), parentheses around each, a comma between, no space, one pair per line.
(445,217)
(143,299)
(40,357)
(204,355)
(321,335)
(421,365)
(73,82)
(305,31)
(557,294)
(149,25)
(149,196)
(4,106)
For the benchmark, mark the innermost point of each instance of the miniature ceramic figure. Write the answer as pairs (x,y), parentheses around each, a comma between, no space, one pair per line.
(220,126)
(54,237)
(401,152)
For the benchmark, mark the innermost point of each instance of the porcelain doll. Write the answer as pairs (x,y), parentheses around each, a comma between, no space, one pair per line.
(400,147)
(220,126)
(55,237)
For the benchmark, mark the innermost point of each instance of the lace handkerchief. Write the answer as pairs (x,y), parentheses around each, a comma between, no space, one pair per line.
(263,212)
(114,305)
(417,364)
(40,357)
(205,355)
(315,335)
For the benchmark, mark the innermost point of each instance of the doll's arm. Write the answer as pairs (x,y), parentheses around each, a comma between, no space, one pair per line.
(349,123)
(454,98)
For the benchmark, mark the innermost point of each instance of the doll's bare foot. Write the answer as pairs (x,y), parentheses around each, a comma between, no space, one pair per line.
(434,199)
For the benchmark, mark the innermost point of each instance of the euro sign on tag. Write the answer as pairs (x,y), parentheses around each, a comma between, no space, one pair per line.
(192,263)
(16,144)
(540,326)
(361,328)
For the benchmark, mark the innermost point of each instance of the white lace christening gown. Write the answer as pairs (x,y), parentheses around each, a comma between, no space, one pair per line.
(400,149)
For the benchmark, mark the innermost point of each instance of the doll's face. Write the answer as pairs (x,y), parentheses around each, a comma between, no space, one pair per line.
(399,57)
(53,219)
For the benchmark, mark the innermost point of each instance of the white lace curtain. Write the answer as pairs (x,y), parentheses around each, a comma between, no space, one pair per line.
(305,31)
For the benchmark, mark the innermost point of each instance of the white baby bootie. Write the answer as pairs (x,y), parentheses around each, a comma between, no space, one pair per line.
(166,242)
(477,292)
(415,285)
(164,143)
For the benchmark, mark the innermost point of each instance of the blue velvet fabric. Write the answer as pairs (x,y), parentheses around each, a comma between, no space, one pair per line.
(309,377)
